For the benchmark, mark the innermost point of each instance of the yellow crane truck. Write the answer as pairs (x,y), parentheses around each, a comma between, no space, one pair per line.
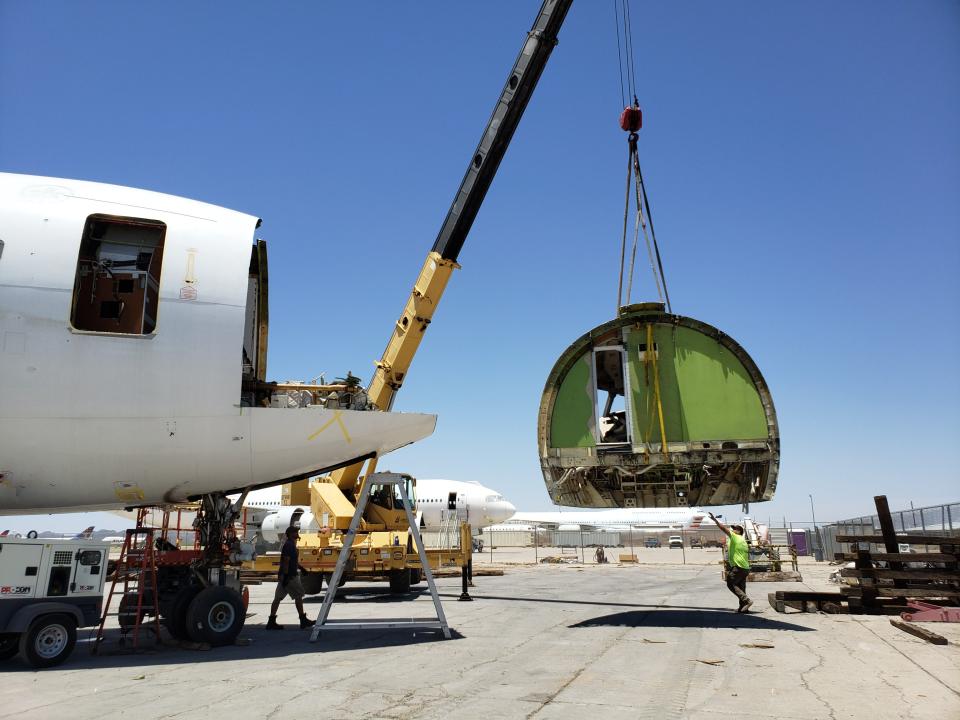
(383,546)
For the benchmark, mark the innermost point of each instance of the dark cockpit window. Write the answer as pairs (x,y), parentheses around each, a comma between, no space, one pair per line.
(117,286)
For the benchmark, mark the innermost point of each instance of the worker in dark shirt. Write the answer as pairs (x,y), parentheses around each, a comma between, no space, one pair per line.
(288,581)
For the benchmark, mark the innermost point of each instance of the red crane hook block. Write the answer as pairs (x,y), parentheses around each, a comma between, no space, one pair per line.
(631,119)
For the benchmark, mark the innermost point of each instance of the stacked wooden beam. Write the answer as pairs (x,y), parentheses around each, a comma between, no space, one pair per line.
(900,575)
(887,580)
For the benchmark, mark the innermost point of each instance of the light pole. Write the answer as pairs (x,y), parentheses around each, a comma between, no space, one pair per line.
(816,536)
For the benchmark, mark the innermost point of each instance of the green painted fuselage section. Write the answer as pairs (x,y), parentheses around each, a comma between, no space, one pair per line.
(705,392)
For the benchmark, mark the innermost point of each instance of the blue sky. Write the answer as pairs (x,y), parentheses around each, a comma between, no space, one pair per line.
(802,161)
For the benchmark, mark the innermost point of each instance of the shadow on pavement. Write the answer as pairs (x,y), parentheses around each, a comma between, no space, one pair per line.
(256,643)
(698,618)
(380,594)
(577,602)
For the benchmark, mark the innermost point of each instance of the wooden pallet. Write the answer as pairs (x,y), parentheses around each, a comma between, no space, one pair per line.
(885,590)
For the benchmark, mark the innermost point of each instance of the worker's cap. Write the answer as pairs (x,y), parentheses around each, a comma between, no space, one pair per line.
(292,530)
(737,526)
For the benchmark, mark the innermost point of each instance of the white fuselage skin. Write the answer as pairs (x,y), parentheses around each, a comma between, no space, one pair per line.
(103,420)
(637,519)
(438,501)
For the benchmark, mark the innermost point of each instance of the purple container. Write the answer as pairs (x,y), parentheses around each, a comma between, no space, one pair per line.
(799,538)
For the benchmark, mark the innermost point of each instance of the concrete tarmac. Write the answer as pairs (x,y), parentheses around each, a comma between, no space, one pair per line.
(652,640)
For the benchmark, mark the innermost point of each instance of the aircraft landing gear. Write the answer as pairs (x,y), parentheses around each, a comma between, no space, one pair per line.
(204,601)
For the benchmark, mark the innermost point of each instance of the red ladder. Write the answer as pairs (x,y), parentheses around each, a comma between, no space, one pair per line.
(136,571)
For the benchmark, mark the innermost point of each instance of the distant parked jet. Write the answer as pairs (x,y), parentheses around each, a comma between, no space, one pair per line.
(637,519)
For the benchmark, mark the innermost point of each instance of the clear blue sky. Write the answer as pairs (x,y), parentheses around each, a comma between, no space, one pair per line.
(802,160)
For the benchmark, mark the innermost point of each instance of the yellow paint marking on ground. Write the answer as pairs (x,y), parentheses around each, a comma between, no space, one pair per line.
(335,419)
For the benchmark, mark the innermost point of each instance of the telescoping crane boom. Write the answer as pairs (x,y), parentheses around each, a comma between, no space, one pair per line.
(441,261)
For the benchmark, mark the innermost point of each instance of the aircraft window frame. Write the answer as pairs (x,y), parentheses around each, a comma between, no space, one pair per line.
(627,411)
(139,254)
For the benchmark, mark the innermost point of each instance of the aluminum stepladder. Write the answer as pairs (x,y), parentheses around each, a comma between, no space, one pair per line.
(323,623)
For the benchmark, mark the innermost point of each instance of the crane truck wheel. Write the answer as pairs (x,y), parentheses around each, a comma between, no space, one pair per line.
(416,576)
(312,582)
(49,641)
(216,616)
(175,617)
(400,581)
(9,645)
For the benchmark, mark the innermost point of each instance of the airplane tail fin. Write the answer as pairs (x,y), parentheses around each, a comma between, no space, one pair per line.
(85,534)
(4,533)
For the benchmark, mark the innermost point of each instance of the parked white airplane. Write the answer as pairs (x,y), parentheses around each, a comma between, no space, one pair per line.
(438,502)
(133,338)
(637,519)
(84,534)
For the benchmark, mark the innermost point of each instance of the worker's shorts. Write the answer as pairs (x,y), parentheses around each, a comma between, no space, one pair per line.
(294,589)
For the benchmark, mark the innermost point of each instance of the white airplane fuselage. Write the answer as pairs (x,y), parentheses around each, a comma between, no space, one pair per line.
(439,502)
(122,356)
(637,519)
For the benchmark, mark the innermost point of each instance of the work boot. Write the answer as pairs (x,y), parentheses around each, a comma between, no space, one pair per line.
(305,622)
(745,605)
(272,623)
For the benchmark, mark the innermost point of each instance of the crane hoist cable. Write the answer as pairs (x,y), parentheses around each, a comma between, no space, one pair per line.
(631,120)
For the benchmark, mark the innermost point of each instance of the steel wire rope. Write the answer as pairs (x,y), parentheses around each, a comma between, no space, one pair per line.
(656,259)
(641,221)
(623,240)
(653,234)
(628,49)
(616,22)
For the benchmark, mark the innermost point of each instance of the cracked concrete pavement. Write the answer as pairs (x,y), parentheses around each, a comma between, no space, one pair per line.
(658,639)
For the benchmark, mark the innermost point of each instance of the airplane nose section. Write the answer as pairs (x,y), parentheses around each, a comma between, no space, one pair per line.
(501,512)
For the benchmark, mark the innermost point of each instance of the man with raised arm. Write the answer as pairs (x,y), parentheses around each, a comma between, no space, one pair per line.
(738,562)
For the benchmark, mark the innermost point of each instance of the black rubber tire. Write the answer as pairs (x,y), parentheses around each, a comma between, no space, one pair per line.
(416,576)
(9,645)
(175,618)
(49,640)
(312,583)
(399,581)
(127,611)
(216,616)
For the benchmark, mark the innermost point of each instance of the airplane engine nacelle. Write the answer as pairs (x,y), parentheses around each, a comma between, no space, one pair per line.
(568,528)
(274,526)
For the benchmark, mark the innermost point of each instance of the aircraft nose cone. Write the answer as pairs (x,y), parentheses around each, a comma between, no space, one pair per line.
(502,511)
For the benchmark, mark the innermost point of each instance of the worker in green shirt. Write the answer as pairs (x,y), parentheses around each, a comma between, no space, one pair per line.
(738,562)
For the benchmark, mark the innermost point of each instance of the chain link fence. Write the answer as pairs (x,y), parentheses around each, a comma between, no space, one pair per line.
(934,520)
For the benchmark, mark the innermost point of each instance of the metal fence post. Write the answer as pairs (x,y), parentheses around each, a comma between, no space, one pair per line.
(536,543)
